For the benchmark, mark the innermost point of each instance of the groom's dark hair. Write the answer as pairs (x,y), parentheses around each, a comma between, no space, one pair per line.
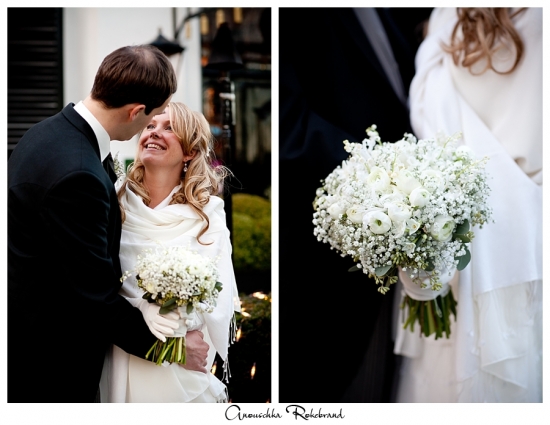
(134,74)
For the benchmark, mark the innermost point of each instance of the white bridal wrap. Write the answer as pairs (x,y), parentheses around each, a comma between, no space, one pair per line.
(128,378)
(494,353)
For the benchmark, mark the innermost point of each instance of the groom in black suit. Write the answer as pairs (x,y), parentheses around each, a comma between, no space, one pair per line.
(341,70)
(64,235)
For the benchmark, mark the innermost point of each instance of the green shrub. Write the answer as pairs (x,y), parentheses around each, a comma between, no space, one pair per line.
(253,348)
(251,232)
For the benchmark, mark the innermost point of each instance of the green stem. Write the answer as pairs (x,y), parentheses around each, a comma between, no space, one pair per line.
(434,317)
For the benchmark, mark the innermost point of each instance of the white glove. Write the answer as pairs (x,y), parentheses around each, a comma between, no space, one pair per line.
(161,326)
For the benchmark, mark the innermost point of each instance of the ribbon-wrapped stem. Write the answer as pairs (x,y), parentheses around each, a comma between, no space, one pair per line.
(430,308)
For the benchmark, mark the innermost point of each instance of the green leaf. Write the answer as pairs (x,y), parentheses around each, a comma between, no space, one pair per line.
(218,286)
(353,269)
(189,308)
(167,309)
(381,271)
(463,260)
(462,238)
(430,267)
(169,302)
(462,228)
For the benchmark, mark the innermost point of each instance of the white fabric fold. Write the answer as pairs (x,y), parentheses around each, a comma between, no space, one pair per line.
(495,347)
(416,292)
(130,379)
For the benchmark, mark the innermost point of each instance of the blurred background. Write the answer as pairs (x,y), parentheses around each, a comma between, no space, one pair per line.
(222,57)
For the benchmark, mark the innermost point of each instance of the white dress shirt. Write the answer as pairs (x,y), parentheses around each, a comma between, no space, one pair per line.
(103,138)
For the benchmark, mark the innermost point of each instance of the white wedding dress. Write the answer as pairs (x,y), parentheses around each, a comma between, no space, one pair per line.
(129,379)
(494,353)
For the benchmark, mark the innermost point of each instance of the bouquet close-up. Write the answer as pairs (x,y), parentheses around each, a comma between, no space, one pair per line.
(176,277)
(406,209)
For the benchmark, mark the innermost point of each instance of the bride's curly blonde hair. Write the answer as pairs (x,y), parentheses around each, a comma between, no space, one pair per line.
(201,179)
(484,31)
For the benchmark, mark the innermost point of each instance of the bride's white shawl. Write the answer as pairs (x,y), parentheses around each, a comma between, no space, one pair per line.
(176,225)
(497,337)
(179,225)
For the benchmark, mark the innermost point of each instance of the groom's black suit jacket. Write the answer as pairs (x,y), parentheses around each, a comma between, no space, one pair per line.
(332,87)
(63,267)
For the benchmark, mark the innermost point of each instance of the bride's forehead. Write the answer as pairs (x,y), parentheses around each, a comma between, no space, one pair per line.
(163,116)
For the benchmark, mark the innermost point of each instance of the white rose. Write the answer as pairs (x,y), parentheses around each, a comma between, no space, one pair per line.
(419,197)
(395,197)
(412,225)
(335,210)
(433,180)
(398,211)
(405,181)
(378,179)
(442,228)
(356,213)
(377,222)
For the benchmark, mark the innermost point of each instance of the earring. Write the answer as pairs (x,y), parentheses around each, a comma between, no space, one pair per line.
(185,167)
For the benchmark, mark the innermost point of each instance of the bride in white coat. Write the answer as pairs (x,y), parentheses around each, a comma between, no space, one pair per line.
(490,89)
(169,198)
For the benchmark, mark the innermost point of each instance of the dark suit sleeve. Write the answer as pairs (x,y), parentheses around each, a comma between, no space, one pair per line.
(331,88)
(77,211)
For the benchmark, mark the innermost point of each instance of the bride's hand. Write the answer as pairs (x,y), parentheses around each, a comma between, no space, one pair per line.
(196,352)
(161,326)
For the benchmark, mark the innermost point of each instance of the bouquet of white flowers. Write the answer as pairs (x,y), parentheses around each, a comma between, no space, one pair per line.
(407,205)
(174,277)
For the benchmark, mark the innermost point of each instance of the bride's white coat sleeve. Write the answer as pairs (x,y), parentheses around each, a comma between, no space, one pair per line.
(496,340)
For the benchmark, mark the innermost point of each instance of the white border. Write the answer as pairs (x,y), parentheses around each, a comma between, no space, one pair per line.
(354,413)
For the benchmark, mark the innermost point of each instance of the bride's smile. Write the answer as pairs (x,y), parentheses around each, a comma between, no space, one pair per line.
(159,145)
(154,146)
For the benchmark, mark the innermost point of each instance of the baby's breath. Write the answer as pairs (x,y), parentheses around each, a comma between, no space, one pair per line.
(403,204)
(178,273)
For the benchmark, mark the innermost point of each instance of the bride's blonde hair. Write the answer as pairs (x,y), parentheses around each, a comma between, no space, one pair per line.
(201,179)
(484,31)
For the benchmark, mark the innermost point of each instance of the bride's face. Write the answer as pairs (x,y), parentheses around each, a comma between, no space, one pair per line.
(159,146)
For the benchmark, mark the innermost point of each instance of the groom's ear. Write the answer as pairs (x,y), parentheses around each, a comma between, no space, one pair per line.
(135,110)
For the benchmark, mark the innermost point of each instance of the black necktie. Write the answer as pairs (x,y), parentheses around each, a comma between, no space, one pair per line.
(109,166)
